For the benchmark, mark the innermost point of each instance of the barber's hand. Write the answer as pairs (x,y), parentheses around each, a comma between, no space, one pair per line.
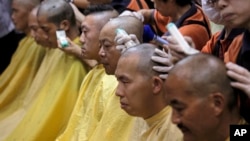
(241,77)
(165,60)
(72,48)
(176,50)
(134,14)
(122,40)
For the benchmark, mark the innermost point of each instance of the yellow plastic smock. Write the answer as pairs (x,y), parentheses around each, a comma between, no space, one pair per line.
(95,92)
(156,128)
(51,98)
(18,76)
(115,125)
(16,80)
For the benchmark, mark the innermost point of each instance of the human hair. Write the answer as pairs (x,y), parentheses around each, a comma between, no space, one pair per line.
(97,8)
(104,12)
(143,52)
(57,11)
(206,74)
(181,2)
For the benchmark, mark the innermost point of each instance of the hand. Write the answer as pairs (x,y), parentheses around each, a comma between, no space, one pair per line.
(164,59)
(241,77)
(121,41)
(176,50)
(134,14)
(72,48)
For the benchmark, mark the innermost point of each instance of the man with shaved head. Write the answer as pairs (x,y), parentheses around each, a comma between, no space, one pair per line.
(54,90)
(114,124)
(141,92)
(36,32)
(108,52)
(57,15)
(97,86)
(204,104)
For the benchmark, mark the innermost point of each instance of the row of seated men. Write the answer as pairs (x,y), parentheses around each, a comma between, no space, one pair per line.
(99,88)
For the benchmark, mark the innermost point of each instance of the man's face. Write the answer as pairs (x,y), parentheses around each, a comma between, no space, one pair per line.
(90,37)
(49,30)
(108,52)
(19,16)
(134,88)
(36,32)
(192,113)
(234,13)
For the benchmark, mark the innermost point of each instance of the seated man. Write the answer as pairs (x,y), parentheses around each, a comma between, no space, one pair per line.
(97,86)
(141,93)
(115,124)
(196,95)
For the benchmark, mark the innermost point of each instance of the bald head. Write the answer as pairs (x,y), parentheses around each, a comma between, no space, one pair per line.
(204,74)
(130,24)
(56,11)
(108,52)
(144,53)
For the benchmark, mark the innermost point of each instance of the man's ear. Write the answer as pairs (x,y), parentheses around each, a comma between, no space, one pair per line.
(157,84)
(65,25)
(218,102)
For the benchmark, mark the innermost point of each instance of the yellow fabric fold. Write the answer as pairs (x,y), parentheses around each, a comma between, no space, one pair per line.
(16,80)
(95,91)
(115,125)
(51,98)
(158,128)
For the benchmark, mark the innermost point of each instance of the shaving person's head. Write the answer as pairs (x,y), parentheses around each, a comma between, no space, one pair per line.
(140,89)
(108,52)
(56,15)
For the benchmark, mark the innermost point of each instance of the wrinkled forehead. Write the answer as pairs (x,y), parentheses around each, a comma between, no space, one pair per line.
(108,32)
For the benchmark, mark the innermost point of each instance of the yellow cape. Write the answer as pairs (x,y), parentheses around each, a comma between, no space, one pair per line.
(17,79)
(95,90)
(51,98)
(97,114)
(115,125)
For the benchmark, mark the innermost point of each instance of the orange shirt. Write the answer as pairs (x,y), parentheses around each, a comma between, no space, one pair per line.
(193,23)
(224,48)
(133,5)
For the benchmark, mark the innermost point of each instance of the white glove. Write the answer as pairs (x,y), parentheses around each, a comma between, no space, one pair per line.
(124,41)
(134,14)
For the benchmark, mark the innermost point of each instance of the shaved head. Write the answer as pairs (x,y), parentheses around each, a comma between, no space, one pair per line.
(204,74)
(130,24)
(144,53)
(108,52)
(102,12)
(57,11)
